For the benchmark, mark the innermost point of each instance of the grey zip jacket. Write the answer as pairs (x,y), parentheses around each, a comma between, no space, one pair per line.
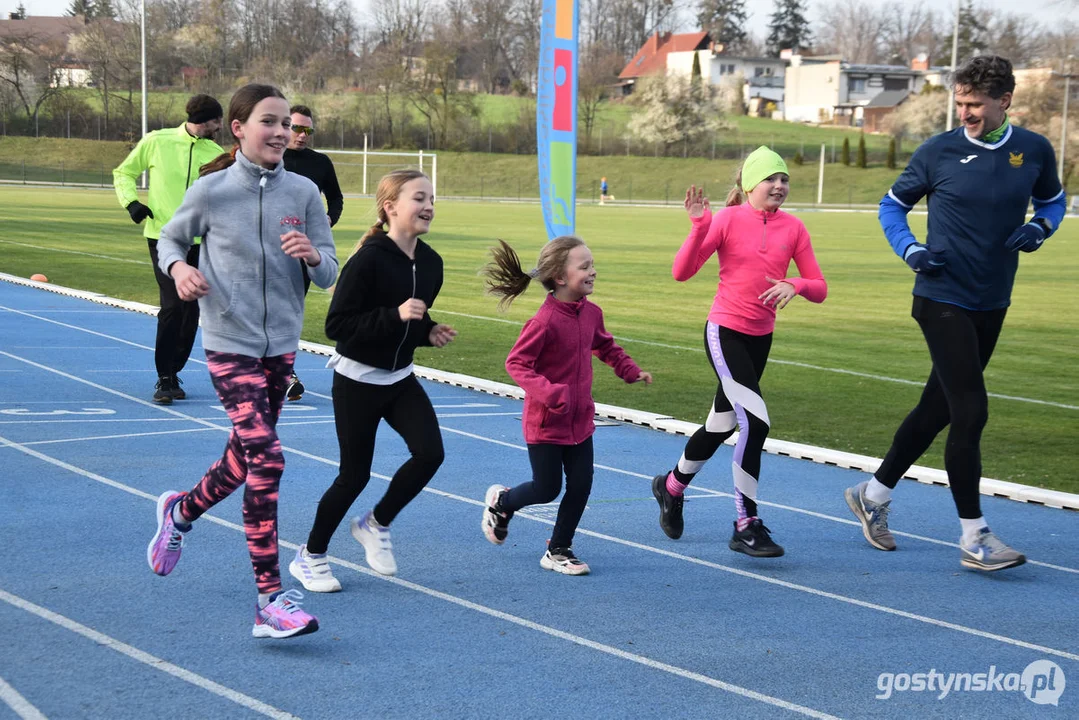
(256,299)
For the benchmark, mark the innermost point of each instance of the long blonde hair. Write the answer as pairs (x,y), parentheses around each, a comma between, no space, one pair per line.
(389,189)
(506,278)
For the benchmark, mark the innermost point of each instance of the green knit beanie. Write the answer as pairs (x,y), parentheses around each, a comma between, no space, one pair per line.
(761,164)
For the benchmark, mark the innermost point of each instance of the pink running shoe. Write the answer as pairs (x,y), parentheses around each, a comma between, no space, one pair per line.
(164,550)
(283,617)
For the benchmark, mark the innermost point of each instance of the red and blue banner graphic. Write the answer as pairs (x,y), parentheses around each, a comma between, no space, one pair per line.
(556,116)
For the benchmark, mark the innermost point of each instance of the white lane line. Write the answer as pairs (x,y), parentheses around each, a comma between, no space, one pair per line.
(20,705)
(182,431)
(147,659)
(808,366)
(491,612)
(779,506)
(763,578)
(118,437)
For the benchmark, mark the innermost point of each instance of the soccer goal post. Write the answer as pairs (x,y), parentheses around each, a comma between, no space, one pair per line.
(360,170)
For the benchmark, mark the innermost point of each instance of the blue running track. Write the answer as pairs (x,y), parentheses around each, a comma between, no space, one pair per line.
(661,629)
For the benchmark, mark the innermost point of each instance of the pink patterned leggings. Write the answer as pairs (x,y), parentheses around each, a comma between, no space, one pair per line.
(252,391)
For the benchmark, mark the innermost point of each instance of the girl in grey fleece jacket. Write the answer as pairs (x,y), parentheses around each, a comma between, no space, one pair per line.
(259,224)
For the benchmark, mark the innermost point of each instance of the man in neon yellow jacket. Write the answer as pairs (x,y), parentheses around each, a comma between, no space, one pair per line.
(173,156)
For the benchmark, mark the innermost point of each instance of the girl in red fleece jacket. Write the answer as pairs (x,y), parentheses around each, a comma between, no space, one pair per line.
(552,362)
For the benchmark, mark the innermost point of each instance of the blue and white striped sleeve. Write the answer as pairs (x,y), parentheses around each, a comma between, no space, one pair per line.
(910,187)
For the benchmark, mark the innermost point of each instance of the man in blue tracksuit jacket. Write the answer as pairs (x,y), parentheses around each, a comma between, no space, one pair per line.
(978,181)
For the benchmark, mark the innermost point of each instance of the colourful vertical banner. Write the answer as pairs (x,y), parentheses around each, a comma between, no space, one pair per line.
(556,116)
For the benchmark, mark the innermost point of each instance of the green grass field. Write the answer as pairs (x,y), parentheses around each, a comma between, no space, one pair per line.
(632,178)
(864,326)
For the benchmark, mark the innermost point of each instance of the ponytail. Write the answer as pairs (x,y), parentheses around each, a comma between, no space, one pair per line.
(736,196)
(378,227)
(220,162)
(505,277)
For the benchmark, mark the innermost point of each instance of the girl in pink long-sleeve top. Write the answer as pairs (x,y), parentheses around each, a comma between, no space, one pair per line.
(755,242)
(552,362)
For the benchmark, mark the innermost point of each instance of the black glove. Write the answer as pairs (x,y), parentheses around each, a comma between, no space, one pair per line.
(924,261)
(1027,238)
(138,211)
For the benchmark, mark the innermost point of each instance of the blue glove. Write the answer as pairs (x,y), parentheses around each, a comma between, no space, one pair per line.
(924,261)
(1027,238)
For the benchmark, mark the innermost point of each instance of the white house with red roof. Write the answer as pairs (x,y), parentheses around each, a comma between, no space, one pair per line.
(672,54)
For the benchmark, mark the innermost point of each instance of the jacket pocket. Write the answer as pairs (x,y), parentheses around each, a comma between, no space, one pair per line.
(243,313)
(284,315)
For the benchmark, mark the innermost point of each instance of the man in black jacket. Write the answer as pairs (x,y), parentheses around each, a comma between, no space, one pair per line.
(318,168)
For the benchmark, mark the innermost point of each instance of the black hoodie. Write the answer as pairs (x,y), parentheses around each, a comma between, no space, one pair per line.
(363,318)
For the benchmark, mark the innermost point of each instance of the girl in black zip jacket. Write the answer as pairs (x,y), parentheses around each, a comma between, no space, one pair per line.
(378,317)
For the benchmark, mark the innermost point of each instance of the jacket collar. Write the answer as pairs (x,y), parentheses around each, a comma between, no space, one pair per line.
(184,134)
(570,309)
(381,240)
(250,175)
(759,214)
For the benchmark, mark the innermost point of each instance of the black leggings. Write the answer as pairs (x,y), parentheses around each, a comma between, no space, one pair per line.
(738,360)
(358,408)
(960,344)
(177,320)
(548,462)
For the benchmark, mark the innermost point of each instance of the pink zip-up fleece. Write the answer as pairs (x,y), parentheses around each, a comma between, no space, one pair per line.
(552,362)
(752,245)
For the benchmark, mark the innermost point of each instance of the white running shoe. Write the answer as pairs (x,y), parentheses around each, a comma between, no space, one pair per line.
(313,571)
(495,523)
(562,560)
(376,544)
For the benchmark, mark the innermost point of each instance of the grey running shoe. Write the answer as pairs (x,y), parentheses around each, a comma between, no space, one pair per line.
(873,516)
(988,553)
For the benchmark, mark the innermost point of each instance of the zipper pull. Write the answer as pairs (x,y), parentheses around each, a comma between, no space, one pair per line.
(262,181)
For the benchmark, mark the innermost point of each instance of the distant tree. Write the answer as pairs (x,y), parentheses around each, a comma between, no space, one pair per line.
(695,74)
(20,12)
(890,162)
(725,21)
(788,28)
(671,112)
(861,161)
(85,8)
(104,9)
(845,155)
(973,33)
(919,116)
(28,63)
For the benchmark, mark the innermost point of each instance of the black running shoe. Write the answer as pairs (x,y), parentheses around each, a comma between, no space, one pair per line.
(295,388)
(670,508)
(163,390)
(754,540)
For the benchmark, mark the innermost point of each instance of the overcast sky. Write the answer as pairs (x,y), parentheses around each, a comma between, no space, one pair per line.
(1048,12)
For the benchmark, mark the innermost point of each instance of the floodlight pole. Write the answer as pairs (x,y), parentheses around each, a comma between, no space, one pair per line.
(1064,119)
(955,53)
(142,31)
